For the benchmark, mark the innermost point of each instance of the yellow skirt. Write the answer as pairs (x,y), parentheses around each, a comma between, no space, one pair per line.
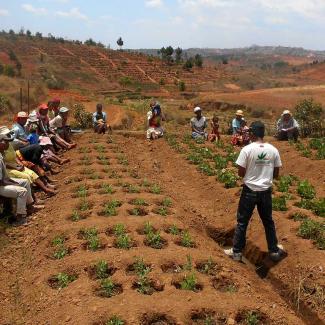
(28,174)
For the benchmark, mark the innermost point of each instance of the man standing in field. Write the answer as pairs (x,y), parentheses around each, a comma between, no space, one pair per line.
(258,163)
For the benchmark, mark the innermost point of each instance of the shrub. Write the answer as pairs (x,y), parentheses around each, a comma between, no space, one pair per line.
(82,117)
(181,85)
(55,83)
(4,104)
(310,229)
(306,190)
(9,71)
(279,203)
(310,116)
(285,182)
(228,178)
(220,162)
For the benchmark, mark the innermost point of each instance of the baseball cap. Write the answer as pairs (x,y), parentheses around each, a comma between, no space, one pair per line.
(258,129)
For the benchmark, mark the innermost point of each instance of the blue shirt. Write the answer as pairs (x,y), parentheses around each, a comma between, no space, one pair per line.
(19,132)
(33,138)
(97,117)
(235,125)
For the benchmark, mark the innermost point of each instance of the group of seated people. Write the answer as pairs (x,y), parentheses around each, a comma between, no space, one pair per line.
(29,152)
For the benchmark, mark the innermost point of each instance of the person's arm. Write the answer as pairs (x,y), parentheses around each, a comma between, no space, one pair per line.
(277,165)
(241,162)
(295,126)
(276,172)
(235,128)
(94,119)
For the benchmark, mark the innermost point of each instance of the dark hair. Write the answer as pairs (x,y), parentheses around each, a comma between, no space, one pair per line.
(258,129)
(99,106)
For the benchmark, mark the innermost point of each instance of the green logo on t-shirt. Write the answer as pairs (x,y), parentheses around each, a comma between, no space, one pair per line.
(262,159)
(261,156)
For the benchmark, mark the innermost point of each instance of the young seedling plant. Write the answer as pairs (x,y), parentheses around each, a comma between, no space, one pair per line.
(107,189)
(115,320)
(154,239)
(189,282)
(108,288)
(60,250)
(155,189)
(186,239)
(62,280)
(279,203)
(91,236)
(110,208)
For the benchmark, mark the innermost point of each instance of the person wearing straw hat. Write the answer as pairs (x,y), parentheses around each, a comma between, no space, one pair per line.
(19,132)
(199,124)
(237,122)
(287,127)
(14,188)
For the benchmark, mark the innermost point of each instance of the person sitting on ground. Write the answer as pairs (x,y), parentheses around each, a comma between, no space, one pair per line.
(287,127)
(236,122)
(16,169)
(154,119)
(53,106)
(100,120)
(60,126)
(33,137)
(30,157)
(258,163)
(14,188)
(48,155)
(241,138)
(19,132)
(214,135)
(199,125)
(45,129)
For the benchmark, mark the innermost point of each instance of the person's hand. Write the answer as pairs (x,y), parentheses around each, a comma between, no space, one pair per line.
(20,168)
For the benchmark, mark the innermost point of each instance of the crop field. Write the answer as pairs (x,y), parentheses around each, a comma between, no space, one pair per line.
(136,236)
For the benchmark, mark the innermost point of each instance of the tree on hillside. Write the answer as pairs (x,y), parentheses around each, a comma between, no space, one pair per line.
(198,61)
(90,42)
(188,65)
(19,67)
(120,42)
(39,35)
(12,55)
(22,31)
(166,54)
(178,55)
(28,33)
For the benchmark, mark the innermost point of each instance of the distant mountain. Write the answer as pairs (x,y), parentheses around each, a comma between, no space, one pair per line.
(246,51)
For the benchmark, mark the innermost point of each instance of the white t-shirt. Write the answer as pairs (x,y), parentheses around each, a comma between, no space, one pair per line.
(57,122)
(259,160)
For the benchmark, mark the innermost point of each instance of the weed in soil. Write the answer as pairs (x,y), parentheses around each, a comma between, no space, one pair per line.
(306,190)
(251,317)
(208,267)
(189,282)
(279,203)
(123,242)
(110,208)
(61,280)
(224,284)
(108,288)
(172,267)
(147,286)
(154,240)
(106,189)
(298,216)
(101,270)
(156,319)
(155,189)
(207,317)
(139,267)
(166,202)
(115,320)
(139,202)
(186,240)
(162,211)
(310,229)
(139,211)
(60,250)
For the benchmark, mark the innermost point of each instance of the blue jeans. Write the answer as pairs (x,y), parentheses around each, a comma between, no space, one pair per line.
(248,200)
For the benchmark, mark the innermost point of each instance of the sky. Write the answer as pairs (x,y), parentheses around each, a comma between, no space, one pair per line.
(184,23)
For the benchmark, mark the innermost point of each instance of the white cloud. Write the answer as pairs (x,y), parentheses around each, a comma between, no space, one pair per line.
(72,13)
(4,12)
(273,20)
(36,11)
(154,3)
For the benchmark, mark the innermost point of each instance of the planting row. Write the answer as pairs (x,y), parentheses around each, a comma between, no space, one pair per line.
(315,148)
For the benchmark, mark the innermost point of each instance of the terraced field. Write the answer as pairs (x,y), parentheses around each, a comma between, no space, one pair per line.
(136,236)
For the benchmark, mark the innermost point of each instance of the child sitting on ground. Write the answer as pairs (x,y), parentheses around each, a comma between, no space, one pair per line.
(214,135)
(33,137)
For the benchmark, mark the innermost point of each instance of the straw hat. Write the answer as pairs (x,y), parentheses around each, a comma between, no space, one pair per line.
(22,115)
(286,112)
(240,113)
(5,134)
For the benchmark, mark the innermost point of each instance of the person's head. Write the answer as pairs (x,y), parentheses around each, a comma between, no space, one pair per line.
(239,114)
(54,104)
(46,143)
(215,118)
(286,115)
(64,111)
(43,109)
(5,138)
(198,112)
(257,130)
(21,118)
(99,108)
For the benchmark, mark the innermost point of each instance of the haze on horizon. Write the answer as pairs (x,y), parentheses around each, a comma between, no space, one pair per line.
(184,23)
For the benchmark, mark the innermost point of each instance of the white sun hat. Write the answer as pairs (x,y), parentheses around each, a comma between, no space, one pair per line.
(197,109)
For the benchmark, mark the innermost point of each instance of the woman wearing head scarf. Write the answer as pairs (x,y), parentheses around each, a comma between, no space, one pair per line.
(199,125)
